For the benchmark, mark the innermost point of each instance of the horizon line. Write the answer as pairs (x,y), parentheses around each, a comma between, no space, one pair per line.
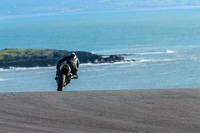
(82,12)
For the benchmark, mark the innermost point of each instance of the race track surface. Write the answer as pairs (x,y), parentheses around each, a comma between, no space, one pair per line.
(117,111)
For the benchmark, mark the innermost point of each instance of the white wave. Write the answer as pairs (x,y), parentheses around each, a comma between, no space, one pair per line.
(93,52)
(105,64)
(26,68)
(32,68)
(3,80)
(99,64)
(1,69)
(150,53)
(168,8)
(170,51)
(156,60)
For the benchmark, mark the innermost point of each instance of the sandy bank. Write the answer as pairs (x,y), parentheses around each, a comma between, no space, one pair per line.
(121,111)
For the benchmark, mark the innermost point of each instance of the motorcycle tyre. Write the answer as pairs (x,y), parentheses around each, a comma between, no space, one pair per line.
(61,82)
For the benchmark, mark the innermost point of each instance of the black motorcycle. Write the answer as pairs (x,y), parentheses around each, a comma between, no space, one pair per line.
(64,77)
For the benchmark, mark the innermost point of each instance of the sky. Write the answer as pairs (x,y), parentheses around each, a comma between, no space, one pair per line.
(28,7)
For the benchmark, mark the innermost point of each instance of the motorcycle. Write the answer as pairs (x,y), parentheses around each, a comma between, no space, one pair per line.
(64,76)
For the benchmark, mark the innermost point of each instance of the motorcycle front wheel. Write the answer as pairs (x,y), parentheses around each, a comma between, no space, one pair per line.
(61,82)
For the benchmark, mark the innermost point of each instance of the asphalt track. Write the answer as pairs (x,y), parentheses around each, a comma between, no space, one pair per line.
(120,111)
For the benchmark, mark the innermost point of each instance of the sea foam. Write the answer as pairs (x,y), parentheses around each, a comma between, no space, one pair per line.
(26,68)
(157,60)
(3,80)
(154,53)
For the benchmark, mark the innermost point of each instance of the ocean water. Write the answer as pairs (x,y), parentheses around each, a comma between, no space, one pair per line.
(166,44)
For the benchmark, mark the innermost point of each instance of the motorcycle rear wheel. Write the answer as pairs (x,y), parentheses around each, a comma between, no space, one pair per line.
(61,82)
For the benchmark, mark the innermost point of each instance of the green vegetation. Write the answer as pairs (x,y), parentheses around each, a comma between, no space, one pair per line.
(15,52)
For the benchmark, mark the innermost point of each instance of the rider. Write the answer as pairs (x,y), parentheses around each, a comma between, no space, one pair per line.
(73,61)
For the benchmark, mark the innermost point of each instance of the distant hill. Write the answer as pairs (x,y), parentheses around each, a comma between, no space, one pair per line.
(27,7)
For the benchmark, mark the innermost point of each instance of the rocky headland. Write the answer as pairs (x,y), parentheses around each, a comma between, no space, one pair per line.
(48,57)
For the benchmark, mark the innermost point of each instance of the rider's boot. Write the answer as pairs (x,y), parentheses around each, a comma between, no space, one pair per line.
(56,78)
(75,76)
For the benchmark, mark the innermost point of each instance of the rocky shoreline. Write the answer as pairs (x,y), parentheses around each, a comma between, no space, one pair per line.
(49,57)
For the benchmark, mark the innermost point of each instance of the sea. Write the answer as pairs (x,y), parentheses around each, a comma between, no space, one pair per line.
(164,43)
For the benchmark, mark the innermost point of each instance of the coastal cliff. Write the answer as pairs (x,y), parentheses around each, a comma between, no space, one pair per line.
(48,57)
